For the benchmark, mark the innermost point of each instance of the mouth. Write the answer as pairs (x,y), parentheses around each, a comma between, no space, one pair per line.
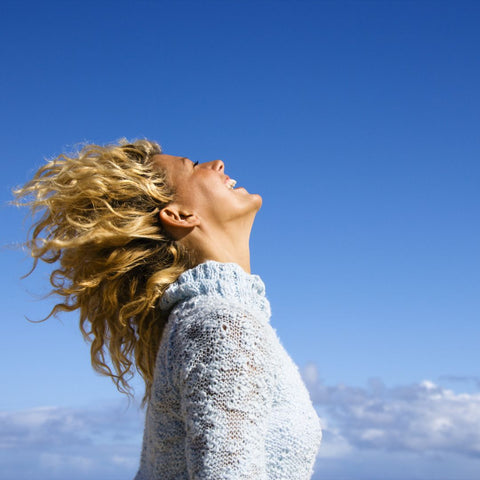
(230,183)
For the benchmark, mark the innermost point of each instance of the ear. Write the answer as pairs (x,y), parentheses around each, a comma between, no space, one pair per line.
(177,221)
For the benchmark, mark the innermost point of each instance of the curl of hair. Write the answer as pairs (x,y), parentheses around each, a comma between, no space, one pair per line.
(99,224)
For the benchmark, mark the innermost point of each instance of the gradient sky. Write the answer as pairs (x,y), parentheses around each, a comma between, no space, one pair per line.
(358,122)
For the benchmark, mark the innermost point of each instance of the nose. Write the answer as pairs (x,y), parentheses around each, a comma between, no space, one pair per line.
(215,165)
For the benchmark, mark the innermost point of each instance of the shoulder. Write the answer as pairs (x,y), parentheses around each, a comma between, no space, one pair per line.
(216,319)
(210,304)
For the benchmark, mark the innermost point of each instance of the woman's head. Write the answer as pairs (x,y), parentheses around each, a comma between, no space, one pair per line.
(209,215)
(97,218)
(205,191)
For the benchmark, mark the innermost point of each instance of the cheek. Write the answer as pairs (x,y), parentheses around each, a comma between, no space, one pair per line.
(218,201)
(191,195)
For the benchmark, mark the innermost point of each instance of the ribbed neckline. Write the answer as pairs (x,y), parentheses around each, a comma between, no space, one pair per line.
(227,280)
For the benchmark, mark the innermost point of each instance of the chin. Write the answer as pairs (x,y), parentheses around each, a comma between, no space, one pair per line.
(257,200)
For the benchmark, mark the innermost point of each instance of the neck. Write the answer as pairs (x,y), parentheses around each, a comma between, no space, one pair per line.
(230,255)
(226,245)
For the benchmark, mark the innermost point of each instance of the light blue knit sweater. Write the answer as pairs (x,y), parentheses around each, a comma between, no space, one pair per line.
(227,400)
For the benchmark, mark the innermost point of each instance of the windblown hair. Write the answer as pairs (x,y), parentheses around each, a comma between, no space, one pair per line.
(96,217)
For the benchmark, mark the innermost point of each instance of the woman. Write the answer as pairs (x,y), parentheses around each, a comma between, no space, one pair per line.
(153,250)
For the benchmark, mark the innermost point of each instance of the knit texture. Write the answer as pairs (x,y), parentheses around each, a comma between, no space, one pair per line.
(227,400)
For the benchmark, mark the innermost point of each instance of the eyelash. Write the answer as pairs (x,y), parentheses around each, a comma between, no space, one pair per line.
(195,164)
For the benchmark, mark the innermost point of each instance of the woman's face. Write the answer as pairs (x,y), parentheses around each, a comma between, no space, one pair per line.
(205,190)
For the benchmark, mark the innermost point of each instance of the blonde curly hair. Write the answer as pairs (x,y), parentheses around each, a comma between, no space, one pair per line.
(100,226)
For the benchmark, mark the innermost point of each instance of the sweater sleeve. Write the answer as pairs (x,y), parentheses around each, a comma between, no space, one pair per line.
(222,373)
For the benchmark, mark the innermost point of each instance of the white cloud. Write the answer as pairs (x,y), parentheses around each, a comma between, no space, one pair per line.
(418,418)
(409,432)
(58,443)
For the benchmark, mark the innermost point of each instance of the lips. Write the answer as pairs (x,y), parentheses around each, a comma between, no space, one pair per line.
(230,183)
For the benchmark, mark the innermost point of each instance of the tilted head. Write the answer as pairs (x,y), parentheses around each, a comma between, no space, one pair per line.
(204,193)
(208,215)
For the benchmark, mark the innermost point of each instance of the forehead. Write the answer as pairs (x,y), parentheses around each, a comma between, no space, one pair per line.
(168,161)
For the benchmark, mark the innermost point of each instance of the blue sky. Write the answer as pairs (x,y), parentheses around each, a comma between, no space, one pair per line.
(358,123)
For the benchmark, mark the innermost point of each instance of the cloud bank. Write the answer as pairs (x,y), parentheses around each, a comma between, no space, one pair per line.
(420,431)
(417,418)
(58,443)
(430,431)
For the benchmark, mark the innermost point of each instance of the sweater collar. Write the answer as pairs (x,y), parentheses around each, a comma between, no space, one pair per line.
(227,280)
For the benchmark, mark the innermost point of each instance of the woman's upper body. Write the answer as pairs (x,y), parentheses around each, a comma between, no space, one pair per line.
(153,250)
(227,401)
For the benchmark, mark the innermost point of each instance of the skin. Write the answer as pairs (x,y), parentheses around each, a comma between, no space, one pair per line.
(207,216)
